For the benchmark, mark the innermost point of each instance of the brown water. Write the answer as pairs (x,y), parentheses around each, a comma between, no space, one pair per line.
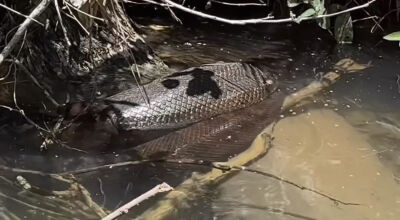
(343,143)
(320,150)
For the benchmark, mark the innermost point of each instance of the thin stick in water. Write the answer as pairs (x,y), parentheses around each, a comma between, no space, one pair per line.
(163,187)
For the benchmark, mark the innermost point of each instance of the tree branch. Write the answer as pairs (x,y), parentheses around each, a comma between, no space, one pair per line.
(20,14)
(238,4)
(266,20)
(163,187)
(22,28)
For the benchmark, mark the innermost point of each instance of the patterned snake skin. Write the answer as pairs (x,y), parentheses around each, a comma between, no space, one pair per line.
(190,96)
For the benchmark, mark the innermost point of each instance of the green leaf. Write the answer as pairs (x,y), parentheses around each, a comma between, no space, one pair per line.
(318,6)
(293,3)
(395,36)
(307,13)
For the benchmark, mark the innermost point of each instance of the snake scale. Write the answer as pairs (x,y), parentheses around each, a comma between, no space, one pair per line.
(190,95)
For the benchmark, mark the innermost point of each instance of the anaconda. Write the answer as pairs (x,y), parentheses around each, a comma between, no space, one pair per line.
(191,95)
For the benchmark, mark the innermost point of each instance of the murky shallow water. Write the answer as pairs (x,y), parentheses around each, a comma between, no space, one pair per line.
(344,142)
(319,150)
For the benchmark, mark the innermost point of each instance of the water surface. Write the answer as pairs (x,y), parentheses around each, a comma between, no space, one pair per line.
(343,142)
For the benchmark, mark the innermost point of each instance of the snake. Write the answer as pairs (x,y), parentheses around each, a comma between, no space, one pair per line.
(190,96)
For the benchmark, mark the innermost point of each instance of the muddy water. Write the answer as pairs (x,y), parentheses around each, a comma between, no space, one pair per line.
(319,150)
(343,143)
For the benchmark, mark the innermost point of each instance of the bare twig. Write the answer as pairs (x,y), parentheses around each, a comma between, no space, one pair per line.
(137,3)
(30,206)
(125,42)
(64,30)
(109,166)
(366,18)
(218,165)
(82,12)
(383,18)
(174,15)
(265,20)
(163,187)
(22,28)
(243,168)
(238,4)
(17,108)
(20,14)
(373,19)
(20,111)
(141,87)
(73,17)
(36,81)
(8,72)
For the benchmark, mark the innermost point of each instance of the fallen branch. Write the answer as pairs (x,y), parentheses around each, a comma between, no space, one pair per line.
(22,28)
(163,187)
(266,20)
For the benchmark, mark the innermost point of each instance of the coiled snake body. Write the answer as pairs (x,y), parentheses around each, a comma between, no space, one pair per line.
(190,96)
